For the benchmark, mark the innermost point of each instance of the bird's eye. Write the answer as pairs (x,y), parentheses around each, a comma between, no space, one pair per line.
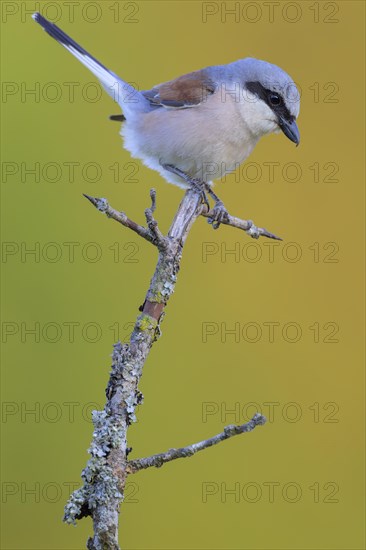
(275,99)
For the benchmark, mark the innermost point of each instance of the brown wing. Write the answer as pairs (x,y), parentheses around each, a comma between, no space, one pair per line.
(185,91)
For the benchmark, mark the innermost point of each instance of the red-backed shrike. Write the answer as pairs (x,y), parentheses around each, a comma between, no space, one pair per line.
(201,125)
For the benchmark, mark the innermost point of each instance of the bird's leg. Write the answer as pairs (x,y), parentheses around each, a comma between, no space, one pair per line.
(219,213)
(197,184)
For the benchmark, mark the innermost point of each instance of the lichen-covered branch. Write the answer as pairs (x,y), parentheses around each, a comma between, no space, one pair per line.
(106,471)
(158,460)
(105,474)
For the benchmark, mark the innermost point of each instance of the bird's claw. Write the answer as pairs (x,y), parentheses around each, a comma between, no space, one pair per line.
(219,215)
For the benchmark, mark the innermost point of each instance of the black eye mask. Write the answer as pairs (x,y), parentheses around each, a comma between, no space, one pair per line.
(274,100)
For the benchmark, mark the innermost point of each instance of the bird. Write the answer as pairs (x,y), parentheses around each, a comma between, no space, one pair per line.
(202,125)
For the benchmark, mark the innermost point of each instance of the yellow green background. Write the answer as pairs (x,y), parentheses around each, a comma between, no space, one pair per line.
(184,375)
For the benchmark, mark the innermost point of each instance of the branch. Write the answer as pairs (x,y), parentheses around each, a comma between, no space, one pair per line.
(158,460)
(106,472)
(153,234)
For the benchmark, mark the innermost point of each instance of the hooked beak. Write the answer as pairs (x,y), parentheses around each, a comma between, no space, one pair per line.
(290,129)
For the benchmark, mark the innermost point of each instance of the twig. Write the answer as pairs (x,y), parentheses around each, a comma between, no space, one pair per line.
(158,460)
(120,217)
(246,225)
(158,238)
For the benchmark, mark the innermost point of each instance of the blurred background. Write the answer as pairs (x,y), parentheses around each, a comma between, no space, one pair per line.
(253,325)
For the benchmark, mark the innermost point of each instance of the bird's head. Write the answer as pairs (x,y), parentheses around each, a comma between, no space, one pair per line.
(270,99)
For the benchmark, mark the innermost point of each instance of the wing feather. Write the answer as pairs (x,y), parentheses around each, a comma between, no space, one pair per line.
(189,90)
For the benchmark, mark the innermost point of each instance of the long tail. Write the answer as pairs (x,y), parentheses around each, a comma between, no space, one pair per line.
(122,92)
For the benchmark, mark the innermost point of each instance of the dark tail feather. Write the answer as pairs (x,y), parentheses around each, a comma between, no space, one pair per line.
(59,35)
(118,89)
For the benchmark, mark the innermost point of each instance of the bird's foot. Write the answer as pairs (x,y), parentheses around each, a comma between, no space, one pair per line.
(219,212)
(219,215)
